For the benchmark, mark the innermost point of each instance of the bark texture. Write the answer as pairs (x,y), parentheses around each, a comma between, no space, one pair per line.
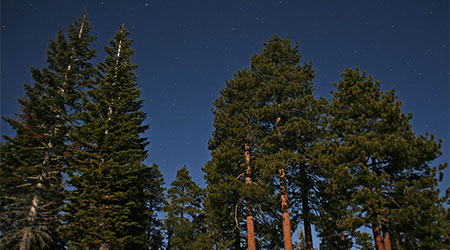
(250,223)
(377,238)
(287,235)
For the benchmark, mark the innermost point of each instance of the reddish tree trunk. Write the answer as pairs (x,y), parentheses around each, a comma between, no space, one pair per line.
(387,240)
(285,211)
(377,237)
(250,230)
(250,224)
(287,235)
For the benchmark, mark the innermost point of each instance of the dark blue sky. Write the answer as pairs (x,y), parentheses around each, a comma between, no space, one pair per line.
(187,49)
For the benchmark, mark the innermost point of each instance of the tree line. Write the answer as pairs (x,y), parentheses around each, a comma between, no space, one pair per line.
(351,167)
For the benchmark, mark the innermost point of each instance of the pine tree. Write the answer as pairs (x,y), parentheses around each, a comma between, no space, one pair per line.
(183,208)
(418,218)
(289,114)
(34,158)
(234,191)
(265,122)
(332,206)
(107,205)
(373,158)
(228,154)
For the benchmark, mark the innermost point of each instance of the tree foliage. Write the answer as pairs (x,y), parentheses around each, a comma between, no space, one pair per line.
(373,160)
(33,160)
(183,209)
(154,197)
(106,206)
(270,110)
(73,176)
(288,114)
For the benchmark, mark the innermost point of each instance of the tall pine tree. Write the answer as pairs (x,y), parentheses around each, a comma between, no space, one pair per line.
(107,206)
(232,193)
(379,169)
(289,115)
(33,160)
(265,122)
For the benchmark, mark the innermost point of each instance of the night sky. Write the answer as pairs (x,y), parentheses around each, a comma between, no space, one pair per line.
(186,50)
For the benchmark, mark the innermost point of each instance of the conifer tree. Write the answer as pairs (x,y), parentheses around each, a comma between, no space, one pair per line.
(332,206)
(418,218)
(107,206)
(289,114)
(154,192)
(183,208)
(231,166)
(33,160)
(252,148)
(378,168)
(235,192)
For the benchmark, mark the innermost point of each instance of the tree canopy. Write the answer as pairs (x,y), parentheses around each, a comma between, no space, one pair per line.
(349,169)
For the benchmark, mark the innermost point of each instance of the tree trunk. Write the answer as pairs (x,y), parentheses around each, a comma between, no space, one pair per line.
(182,211)
(250,224)
(250,229)
(377,237)
(386,239)
(25,241)
(307,223)
(23,245)
(287,235)
(32,213)
(237,242)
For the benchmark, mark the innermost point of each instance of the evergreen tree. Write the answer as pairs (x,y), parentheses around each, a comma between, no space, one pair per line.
(107,207)
(229,175)
(374,164)
(224,197)
(183,208)
(332,206)
(265,122)
(289,115)
(418,218)
(154,192)
(33,160)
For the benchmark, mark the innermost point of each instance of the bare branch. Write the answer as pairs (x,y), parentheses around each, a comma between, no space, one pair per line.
(236,217)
